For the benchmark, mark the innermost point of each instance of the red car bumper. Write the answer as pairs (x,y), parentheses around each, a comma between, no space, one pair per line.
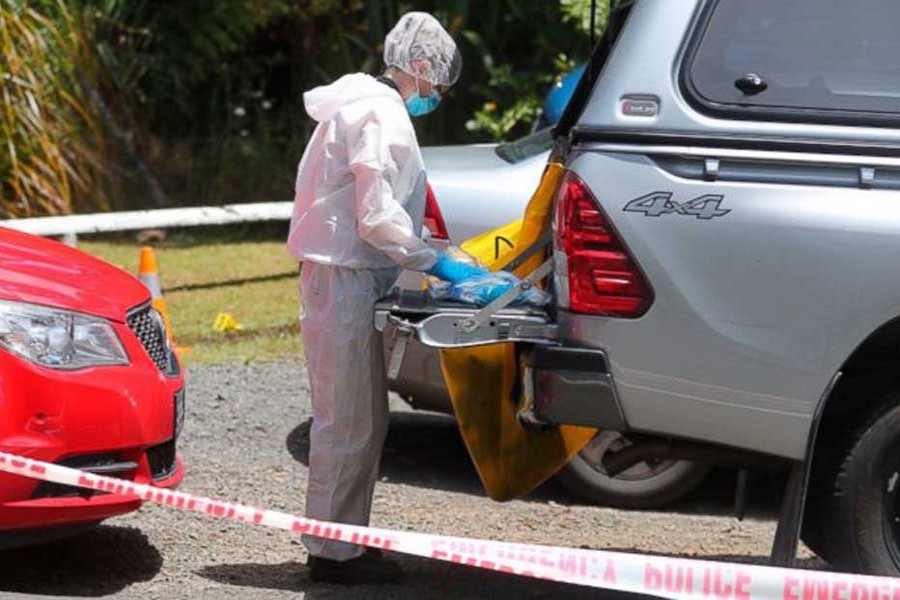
(118,421)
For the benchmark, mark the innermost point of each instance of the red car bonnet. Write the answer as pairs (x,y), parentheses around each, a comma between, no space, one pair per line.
(42,271)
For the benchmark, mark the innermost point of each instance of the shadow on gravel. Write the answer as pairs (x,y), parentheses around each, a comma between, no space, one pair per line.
(716,495)
(422,579)
(426,450)
(421,449)
(103,561)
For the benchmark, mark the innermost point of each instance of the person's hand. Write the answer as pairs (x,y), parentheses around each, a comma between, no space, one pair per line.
(454,271)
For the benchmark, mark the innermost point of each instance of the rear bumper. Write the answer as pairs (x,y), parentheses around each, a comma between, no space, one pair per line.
(569,386)
(559,385)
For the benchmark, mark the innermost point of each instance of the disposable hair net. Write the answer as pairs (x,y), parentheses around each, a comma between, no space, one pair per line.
(420,46)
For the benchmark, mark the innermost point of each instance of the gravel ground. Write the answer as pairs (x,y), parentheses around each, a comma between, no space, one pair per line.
(246,440)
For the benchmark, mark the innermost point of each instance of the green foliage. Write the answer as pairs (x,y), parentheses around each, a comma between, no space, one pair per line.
(198,102)
(161,54)
(49,139)
(578,12)
(525,94)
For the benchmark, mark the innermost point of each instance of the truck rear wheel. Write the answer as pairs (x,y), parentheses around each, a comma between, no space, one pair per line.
(861,531)
(644,486)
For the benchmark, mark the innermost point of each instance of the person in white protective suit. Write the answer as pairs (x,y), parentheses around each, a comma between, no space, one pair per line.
(357,220)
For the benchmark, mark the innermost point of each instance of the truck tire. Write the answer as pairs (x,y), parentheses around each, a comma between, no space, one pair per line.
(644,486)
(862,530)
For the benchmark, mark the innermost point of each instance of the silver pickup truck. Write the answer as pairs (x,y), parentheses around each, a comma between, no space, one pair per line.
(724,244)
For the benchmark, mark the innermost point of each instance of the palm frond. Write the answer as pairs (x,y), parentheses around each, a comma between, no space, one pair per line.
(49,137)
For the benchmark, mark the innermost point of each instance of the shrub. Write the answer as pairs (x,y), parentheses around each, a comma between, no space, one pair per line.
(50,140)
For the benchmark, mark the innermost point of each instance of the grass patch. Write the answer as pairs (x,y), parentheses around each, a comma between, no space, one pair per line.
(255,280)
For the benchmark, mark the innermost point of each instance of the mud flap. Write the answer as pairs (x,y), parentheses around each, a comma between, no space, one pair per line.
(484,381)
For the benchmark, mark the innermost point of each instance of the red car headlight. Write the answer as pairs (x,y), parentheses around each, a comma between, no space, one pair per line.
(59,339)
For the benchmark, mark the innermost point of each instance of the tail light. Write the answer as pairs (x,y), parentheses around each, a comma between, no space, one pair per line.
(434,220)
(603,277)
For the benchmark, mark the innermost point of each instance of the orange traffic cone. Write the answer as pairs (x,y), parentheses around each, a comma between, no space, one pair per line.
(148,273)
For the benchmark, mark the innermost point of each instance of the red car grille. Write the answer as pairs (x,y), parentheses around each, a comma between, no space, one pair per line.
(151,333)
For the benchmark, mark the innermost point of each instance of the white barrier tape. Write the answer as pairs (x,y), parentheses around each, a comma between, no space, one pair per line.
(643,574)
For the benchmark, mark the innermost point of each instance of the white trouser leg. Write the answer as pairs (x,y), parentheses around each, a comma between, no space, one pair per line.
(345,359)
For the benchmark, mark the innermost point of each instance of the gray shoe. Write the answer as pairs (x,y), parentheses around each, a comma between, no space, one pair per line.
(370,568)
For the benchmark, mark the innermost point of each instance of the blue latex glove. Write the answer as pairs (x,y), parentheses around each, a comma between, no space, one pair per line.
(453,270)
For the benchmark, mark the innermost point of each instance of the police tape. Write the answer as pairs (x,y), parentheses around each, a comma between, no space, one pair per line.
(637,573)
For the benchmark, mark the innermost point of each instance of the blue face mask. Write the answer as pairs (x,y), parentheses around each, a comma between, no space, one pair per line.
(418,105)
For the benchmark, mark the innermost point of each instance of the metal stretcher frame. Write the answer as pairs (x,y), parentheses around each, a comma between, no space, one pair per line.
(451,324)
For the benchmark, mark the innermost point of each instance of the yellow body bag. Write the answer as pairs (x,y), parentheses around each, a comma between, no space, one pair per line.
(510,460)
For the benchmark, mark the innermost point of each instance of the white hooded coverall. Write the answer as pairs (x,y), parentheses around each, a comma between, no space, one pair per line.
(358,211)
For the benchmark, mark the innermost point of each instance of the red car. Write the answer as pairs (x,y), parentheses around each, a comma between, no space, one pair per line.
(87,379)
